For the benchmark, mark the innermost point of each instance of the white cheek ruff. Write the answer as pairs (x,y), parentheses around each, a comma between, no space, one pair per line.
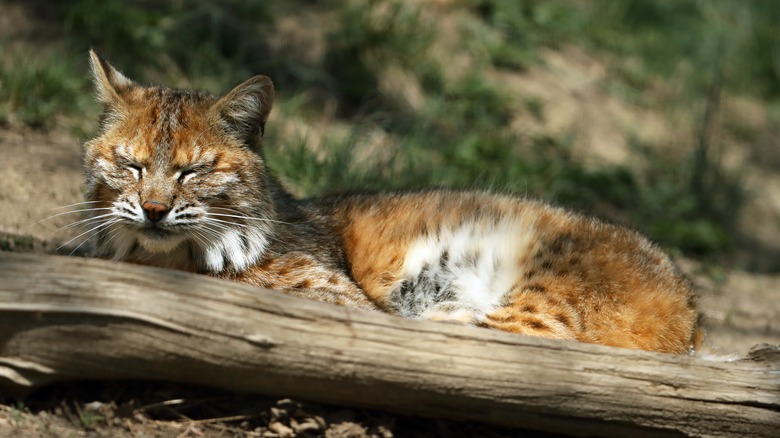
(237,248)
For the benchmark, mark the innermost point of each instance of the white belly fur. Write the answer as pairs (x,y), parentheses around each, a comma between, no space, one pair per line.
(462,273)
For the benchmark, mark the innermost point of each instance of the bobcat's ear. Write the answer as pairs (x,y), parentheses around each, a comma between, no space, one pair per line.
(245,109)
(110,84)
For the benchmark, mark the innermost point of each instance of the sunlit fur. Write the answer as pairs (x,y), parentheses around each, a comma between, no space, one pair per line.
(185,150)
(477,258)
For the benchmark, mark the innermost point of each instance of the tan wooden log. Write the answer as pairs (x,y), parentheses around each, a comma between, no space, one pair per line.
(66,318)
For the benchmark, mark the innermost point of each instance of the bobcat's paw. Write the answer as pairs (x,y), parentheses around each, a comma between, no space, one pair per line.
(453,312)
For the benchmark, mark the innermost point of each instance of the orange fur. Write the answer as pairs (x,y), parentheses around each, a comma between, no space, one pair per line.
(178,178)
(580,280)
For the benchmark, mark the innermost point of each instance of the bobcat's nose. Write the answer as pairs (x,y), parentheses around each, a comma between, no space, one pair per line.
(154,210)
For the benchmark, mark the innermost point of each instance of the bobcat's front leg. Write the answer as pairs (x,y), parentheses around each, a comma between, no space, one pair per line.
(301,275)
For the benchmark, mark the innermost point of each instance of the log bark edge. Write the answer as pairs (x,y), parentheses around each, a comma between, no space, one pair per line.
(66,318)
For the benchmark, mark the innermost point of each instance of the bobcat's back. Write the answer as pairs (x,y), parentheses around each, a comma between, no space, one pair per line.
(516,265)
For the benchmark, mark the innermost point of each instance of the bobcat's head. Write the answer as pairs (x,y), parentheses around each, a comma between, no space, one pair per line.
(173,174)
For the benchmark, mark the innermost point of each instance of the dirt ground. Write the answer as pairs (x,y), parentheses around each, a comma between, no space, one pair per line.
(121,409)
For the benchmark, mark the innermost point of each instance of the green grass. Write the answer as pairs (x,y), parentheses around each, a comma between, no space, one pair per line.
(37,91)
(458,133)
(657,200)
(91,421)
(16,243)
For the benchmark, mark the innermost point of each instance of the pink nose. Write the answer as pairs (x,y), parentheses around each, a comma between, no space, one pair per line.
(154,210)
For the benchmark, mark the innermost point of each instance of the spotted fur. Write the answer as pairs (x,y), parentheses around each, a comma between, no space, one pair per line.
(177,180)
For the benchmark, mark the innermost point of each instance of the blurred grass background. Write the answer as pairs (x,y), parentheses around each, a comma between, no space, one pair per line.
(392,94)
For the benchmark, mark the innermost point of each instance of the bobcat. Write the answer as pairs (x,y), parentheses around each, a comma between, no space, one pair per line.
(175,181)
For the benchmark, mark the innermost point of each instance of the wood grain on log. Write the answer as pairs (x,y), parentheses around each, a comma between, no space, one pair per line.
(68,318)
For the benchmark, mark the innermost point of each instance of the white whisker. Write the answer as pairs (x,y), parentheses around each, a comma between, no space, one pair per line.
(78,246)
(246,217)
(209,234)
(73,205)
(72,212)
(200,237)
(84,222)
(111,233)
(93,229)
(213,223)
(219,221)
(220,224)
